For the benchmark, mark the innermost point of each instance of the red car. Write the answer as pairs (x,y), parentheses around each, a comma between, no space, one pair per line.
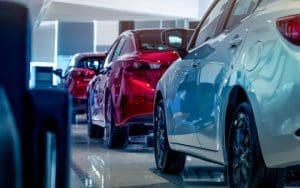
(120,98)
(81,69)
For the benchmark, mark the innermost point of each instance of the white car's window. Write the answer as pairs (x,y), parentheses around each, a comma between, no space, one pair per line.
(210,23)
(241,9)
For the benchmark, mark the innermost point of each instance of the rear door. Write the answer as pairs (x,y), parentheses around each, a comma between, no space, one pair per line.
(185,100)
(225,48)
(102,81)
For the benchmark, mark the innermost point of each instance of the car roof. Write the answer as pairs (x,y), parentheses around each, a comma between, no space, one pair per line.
(79,56)
(139,31)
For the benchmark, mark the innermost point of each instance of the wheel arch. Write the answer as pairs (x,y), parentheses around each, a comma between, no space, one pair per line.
(237,95)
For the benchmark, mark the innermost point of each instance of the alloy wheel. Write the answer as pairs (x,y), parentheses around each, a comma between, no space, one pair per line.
(160,136)
(241,158)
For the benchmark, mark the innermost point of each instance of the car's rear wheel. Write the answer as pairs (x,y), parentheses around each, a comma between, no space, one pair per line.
(246,167)
(116,137)
(94,131)
(167,160)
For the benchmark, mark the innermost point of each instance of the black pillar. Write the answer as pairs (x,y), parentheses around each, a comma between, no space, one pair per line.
(75,38)
(125,25)
(193,25)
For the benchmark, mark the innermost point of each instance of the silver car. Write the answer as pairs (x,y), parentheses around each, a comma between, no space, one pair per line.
(234,96)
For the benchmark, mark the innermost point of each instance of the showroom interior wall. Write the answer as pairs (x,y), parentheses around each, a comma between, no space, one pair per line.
(44,54)
(54,44)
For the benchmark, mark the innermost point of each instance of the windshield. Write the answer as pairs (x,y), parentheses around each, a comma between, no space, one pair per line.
(150,41)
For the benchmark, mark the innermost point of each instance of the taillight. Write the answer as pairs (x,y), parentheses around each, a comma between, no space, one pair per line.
(141,65)
(289,27)
(83,73)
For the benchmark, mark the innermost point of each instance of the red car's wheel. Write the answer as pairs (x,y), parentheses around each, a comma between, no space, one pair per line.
(116,137)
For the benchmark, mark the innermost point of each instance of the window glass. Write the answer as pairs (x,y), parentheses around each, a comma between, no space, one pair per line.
(241,9)
(266,2)
(210,23)
(150,40)
(118,49)
(110,54)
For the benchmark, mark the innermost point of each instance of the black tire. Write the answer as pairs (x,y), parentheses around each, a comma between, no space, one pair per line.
(116,137)
(94,131)
(246,167)
(166,159)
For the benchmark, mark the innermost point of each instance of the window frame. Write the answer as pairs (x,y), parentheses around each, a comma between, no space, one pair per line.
(108,59)
(219,29)
(230,13)
(121,39)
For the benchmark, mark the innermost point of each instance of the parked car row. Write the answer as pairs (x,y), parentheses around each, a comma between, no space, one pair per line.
(121,97)
(81,69)
(233,96)
(228,93)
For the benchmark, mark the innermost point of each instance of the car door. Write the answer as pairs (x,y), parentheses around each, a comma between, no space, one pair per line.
(102,82)
(181,131)
(226,44)
(185,101)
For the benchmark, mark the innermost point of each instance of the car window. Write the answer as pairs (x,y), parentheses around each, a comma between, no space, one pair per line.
(210,23)
(241,9)
(90,63)
(118,49)
(150,41)
(110,54)
(128,47)
(266,2)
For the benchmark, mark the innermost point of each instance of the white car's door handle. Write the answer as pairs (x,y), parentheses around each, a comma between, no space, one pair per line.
(236,42)
(195,65)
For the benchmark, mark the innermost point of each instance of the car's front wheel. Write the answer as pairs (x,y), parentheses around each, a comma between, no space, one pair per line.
(167,160)
(246,167)
(116,137)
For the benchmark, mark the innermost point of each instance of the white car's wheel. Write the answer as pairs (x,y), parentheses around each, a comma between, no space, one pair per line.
(167,160)
(246,167)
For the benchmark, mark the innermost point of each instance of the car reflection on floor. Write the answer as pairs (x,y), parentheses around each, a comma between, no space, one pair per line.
(97,166)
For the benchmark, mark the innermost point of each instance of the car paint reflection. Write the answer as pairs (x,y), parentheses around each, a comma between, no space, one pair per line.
(97,166)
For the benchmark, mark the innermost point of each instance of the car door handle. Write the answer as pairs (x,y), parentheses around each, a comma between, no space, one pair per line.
(236,42)
(195,65)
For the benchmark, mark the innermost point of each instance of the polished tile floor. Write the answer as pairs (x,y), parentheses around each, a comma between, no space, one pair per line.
(93,165)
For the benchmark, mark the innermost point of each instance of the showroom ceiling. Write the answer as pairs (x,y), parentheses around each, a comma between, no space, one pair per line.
(89,10)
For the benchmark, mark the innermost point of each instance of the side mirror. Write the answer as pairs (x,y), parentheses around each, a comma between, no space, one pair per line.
(58,72)
(177,39)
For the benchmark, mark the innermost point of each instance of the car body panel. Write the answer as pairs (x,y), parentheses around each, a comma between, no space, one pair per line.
(265,66)
(132,89)
(274,78)
(78,75)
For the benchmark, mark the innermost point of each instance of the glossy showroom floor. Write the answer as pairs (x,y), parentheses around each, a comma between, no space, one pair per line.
(93,165)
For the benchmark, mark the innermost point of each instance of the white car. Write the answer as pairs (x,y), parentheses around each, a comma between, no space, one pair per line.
(234,96)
